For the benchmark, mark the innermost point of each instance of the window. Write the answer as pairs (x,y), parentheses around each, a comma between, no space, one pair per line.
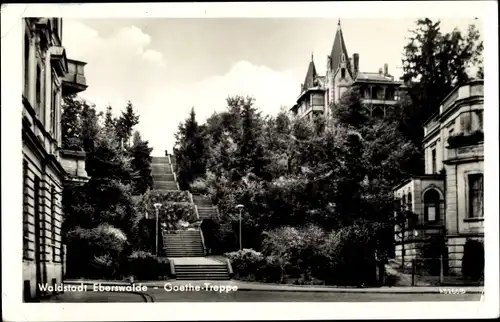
(410,202)
(53,109)
(480,119)
(431,206)
(451,132)
(342,58)
(466,123)
(342,73)
(26,65)
(434,163)
(476,209)
(38,89)
(404,202)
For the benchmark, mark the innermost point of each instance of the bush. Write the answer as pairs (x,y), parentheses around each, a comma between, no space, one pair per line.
(156,196)
(170,212)
(298,250)
(199,186)
(351,257)
(146,266)
(95,253)
(473,259)
(246,263)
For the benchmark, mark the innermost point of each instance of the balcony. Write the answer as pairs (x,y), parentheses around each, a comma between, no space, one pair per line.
(473,89)
(74,82)
(376,101)
(469,152)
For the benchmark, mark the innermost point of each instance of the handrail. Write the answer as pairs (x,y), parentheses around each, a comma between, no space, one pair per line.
(173,172)
(203,242)
(197,213)
(229,267)
(191,197)
(172,268)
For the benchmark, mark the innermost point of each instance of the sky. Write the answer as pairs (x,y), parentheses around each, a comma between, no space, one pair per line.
(166,66)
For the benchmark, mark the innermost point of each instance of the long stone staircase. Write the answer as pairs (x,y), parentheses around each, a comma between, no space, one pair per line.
(185,248)
(205,208)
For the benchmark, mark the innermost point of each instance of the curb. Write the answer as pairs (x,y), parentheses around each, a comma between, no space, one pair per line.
(370,291)
(411,290)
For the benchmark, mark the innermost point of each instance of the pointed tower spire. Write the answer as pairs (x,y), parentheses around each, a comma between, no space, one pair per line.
(312,56)
(339,53)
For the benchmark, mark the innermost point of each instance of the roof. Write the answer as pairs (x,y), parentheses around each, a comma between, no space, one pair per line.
(338,49)
(310,76)
(375,77)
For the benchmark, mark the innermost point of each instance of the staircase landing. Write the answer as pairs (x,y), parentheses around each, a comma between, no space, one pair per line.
(193,261)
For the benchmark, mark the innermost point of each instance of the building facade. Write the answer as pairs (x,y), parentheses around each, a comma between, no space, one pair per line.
(48,75)
(379,91)
(448,200)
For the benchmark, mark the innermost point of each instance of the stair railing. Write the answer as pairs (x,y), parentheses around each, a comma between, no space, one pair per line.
(173,172)
(229,267)
(203,243)
(196,211)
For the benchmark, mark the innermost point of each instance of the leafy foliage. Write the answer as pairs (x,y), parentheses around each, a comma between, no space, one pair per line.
(433,64)
(158,268)
(189,151)
(140,163)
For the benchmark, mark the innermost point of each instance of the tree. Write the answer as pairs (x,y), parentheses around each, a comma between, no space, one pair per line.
(250,155)
(140,154)
(434,63)
(71,123)
(125,124)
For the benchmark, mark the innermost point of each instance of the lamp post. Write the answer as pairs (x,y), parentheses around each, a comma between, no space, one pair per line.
(240,207)
(157,208)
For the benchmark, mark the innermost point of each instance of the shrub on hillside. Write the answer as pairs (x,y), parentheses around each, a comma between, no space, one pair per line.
(246,263)
(146,266)
(351,256)
(298,250)
(156,196)
(95,253)
(169,213)
(200,186)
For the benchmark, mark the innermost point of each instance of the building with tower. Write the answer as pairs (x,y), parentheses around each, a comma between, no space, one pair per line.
(379,90)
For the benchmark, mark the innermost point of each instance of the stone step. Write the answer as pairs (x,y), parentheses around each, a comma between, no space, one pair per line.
(193,268)
(167,185)
(163,177)
(185,254)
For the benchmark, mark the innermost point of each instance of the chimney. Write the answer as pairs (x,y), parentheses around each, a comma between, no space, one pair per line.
(355,59)
(386,69)
(380,71)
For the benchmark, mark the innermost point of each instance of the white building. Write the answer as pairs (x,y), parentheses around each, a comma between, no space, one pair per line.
(448,200)
(48,75)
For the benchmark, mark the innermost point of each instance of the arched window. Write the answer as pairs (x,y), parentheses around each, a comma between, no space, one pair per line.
(431,206)
(342,73)
(404,202)
(343,57)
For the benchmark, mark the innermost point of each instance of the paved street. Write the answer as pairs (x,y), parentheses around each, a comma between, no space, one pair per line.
(273,296)
(96,297)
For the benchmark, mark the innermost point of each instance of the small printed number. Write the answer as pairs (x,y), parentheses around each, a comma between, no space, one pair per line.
(452,291)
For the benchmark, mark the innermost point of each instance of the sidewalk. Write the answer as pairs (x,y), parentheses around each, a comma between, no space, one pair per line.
(268,287)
